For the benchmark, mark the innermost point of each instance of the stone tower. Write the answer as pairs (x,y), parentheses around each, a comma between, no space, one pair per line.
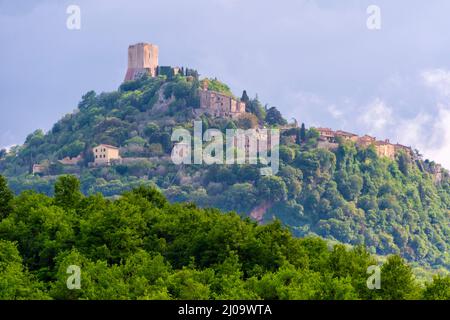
(142,59)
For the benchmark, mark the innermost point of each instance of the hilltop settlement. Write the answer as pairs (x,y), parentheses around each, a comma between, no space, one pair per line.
(143,61)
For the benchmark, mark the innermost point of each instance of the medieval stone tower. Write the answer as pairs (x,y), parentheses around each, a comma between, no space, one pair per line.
(142,59)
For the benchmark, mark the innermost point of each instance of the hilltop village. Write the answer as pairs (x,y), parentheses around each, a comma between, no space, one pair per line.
(329,140)
(143,60)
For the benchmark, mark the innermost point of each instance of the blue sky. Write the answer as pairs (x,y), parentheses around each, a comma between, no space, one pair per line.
(315,60)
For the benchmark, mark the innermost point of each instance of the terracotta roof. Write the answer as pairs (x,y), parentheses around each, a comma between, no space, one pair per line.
(345,133)
(106,145)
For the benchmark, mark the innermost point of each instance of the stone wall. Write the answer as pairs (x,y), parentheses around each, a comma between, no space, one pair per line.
(142,59)
(220,105)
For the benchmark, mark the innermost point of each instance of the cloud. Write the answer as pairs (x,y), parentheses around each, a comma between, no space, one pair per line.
(335,111)
(429,131)
(376,116)
(439,80)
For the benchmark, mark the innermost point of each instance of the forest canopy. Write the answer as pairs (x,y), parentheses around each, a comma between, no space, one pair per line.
(140,246)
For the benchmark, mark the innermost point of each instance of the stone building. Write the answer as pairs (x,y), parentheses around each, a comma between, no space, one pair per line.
(68,161)
(385,149)
(365,141)
(105,154)
(347,135)
(220,105)
(328,140)
(143,59)
(407,150)
(38,169)
(326,134)
(168,71)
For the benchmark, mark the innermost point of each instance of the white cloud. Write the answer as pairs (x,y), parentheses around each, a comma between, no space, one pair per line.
(430,131)
(376,116)
(439,80)
(335,111)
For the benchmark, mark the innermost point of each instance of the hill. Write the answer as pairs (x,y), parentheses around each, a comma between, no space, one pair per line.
(348,193)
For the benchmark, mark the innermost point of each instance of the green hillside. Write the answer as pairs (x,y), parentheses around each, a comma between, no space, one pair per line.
(142,247)
(349,195)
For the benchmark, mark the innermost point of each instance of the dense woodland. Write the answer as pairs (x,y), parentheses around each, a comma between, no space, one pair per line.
(142,247)
(349,195)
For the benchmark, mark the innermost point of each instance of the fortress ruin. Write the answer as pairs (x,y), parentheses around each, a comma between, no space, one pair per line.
(143,60)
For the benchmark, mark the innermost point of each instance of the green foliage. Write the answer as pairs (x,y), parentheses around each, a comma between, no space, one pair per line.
(6,195)
(303,133)
(255,107)
(397,280)
(272,188)
(439,289)
(142,247)
(247,121)
(216,85)
(67,192)
(15,282)
(274,117)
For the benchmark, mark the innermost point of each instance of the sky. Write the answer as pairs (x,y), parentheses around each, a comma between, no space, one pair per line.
(315,60)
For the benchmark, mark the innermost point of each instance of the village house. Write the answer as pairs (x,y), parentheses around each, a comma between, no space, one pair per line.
(105,154)
(347,135)
(365,141)
(68,161)
(38,169)
(407,150)
(328,140)
(385,149)
(220,105)
(326,134)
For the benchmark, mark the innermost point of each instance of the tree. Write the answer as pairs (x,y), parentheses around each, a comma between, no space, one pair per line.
(397,280)
(150,130)
(255,107)
(247,121)
(15,282)
(404,163)
(272,188)
(87,100)
(303,133)
(286,154)
(274,117)
(67,192)
(6,196)
(245,97)
(150,194)
(438,289)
